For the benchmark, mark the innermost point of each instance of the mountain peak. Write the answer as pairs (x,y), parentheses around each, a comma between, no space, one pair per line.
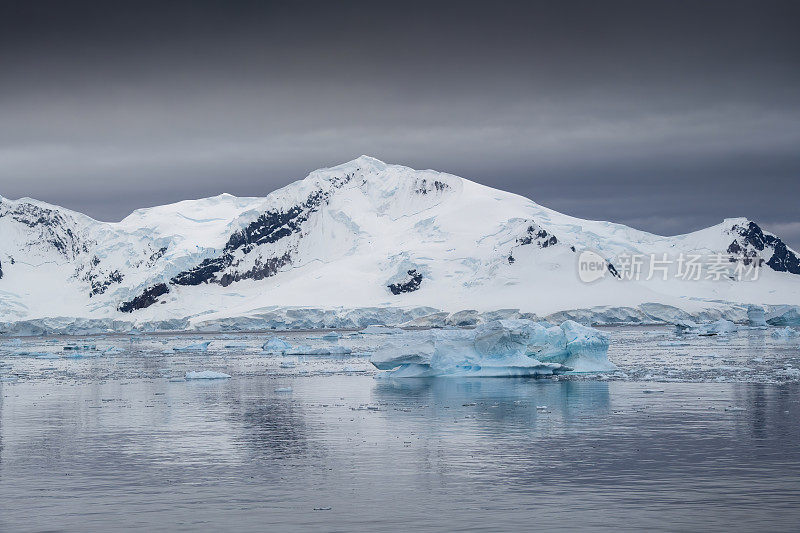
(361,162)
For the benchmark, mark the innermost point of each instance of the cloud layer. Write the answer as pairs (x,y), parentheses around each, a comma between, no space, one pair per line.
(666,116)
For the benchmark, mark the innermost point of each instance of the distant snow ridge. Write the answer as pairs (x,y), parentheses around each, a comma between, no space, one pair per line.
(362,235)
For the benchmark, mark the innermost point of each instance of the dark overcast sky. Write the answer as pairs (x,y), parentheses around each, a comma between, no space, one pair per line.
(667,116)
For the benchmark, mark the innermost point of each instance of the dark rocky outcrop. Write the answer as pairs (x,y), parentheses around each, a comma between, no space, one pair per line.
(148,297)
(751,240)
(536,235)
(261,269)
(410,284)
(155,256)
(51,226)
(204,272)
(99,286)
(424,187)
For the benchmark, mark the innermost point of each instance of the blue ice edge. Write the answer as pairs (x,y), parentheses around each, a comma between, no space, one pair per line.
(500,348)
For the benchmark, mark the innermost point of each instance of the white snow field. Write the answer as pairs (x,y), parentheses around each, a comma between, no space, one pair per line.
(363,243)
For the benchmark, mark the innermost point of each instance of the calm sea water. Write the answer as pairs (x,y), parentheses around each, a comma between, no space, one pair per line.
(111,443)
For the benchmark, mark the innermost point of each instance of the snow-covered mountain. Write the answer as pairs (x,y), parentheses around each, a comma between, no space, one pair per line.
(362,234)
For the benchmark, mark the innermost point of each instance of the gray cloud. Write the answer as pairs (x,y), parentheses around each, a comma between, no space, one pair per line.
(666,116)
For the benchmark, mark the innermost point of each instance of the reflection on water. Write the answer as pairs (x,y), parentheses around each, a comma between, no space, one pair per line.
(378,455)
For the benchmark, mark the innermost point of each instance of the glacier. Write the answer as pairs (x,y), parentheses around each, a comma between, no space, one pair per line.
(365,320)
(498,348)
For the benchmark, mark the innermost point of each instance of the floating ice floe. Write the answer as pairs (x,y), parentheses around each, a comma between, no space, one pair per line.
(27,353)
(789,372)
(784,333)
(206,374)
(500,348)
(332,336)
(326,350)
(199,347)
(81,355)
(719,327)
(276,345)
(80,348)
(113,350)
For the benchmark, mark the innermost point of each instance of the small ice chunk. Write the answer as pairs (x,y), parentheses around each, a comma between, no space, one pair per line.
(328,350)
(720,327)
(80,347)
(332,336)
(198,347)
(283,389)
(206,374)
(81,355)
(784,333)
(276,345)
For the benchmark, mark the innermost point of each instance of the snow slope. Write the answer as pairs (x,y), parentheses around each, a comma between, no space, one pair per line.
(361,234)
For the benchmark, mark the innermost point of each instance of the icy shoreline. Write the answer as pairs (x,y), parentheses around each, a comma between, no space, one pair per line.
(310,319)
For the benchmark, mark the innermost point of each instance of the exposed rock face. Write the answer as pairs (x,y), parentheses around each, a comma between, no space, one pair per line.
(424,186)
(47,227)
(411,284)
(99,285)
(260,270)
(751,241)
(535,234)
(146,299)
